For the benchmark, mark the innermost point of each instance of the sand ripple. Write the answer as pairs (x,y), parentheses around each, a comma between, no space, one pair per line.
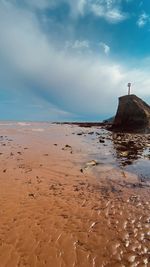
(52,214)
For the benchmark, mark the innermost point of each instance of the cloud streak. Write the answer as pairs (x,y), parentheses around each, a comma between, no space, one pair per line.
(143,20)
(107,9)
(105,48)
(111,15)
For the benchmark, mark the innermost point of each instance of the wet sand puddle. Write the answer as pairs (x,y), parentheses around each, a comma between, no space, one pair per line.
(69,199)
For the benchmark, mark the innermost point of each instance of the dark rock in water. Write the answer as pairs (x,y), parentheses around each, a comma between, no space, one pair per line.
(133,115)
(101,140)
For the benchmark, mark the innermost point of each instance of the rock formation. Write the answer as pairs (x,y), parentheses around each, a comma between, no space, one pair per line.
(133,115)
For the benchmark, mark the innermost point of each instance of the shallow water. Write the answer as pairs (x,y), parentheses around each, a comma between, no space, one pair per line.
(133,160)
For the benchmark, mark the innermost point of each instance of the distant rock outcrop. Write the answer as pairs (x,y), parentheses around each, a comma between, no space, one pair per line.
(133,115)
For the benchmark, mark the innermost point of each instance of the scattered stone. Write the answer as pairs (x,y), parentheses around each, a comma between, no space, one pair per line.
(91,133)
(91,163)
(67,147)
(101,140)
(130,147)
(124,153)
(80,133)
(88,165)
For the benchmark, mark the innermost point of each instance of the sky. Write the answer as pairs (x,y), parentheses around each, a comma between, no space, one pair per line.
(70,60)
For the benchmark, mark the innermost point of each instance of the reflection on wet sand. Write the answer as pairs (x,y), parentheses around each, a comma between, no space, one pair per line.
(54,214)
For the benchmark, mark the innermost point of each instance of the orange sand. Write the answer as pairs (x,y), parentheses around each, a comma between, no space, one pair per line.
(52,214)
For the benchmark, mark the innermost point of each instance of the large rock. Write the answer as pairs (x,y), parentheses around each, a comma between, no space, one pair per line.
(133,115)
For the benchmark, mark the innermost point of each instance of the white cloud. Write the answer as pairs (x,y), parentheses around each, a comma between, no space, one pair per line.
(81,5)
(77,44)
(115,15)
(81,84)
(112,15)
(77,7)
(105,48)
(143,20)
(106,9)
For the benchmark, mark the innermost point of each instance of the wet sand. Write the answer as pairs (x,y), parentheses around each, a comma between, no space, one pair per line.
(68,199)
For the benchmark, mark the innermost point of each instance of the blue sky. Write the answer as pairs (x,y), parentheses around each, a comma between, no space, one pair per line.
(70,60)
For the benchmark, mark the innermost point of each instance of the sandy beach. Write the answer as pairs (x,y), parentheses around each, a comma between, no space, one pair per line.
(71,197)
